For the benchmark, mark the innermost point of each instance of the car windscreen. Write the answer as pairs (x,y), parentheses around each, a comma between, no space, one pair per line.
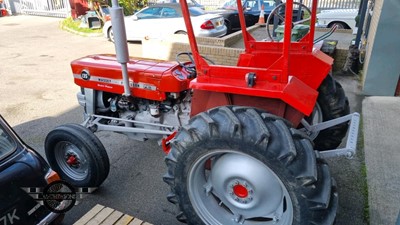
(7,143)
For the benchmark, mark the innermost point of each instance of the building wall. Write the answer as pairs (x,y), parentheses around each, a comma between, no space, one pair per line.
(382,51)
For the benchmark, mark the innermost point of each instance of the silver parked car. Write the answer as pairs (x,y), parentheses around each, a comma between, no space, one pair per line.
(159,20)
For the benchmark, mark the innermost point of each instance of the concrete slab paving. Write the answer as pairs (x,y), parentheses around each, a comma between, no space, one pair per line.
(382,156)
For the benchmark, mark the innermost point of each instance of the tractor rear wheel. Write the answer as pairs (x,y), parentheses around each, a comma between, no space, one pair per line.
(77,155)
(332,103)
(244,165)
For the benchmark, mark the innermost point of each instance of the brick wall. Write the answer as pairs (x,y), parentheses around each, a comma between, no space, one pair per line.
(168,50)
(216,49)
(340,57)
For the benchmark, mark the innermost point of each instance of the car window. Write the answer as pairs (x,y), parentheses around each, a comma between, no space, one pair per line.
(150,13)
(254,5)
(230,4)
(169,13)
(196,11)
(7,144)
(269,5)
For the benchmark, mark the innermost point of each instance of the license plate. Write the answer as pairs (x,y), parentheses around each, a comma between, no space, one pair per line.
(10,217)
(219,23)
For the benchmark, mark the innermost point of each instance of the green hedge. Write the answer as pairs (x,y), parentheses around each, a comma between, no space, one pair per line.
(132,6)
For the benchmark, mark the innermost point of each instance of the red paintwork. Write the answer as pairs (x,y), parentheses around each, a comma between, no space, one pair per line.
(289,72)
(165,144)
(71,160)
(3,12)
(212,99)
(240,191)
(158,74)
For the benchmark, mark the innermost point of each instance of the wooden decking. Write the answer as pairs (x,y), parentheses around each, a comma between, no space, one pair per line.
(101,215)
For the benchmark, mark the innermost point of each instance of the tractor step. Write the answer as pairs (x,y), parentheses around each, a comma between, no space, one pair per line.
(351,145)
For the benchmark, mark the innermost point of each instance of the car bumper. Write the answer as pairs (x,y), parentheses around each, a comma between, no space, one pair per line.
(212,33)
(50,218)
(105,33)
(53,216)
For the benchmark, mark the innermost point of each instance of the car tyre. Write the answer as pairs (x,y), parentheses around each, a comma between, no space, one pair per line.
(340,25)
(77,155)
(110,34)
(181,32)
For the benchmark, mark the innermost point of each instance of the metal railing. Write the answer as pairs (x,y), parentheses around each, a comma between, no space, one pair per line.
(335,4)
(322,4)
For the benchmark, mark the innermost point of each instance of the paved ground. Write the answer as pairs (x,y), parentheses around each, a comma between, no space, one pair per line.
(37,93)
(382,157)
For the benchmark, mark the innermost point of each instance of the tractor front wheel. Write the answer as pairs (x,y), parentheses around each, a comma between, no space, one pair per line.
(240,165)
(77,155)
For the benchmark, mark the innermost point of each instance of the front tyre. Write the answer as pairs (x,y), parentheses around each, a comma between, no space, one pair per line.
(77,155)
(240,165)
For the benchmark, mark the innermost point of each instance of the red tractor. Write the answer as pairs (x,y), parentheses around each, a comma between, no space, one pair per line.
(245,144)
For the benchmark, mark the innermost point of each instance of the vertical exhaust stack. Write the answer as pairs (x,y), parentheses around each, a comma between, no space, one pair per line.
(120,42)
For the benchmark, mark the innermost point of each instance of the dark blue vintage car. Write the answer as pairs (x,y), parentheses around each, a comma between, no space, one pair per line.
(251,9)
(22,167)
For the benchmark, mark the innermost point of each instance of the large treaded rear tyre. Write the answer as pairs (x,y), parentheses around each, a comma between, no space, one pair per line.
(332,103)
(77,155)
(242,164)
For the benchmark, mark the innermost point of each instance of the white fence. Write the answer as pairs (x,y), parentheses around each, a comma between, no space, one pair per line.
(55,8)
(322,4)
(335,4)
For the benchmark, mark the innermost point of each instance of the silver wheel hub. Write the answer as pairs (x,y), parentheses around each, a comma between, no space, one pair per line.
(71,160)
(227,186)
(238,171)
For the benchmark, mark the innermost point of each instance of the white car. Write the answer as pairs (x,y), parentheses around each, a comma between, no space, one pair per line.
(343,18)
(159,20)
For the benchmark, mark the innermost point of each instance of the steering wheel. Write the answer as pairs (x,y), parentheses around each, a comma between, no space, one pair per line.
(191,66)
(275,12)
